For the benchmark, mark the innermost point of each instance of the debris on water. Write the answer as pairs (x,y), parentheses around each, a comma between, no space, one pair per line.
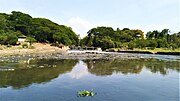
(86,93)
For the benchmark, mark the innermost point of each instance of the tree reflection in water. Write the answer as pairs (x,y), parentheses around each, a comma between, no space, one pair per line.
(43,70)
(37,71)
(108,67)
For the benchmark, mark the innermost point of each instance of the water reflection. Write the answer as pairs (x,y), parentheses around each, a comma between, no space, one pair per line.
(80,70)
(32,71)
(105,68)
(37,71)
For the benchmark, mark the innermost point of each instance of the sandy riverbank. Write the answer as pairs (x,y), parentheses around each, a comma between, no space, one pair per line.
(38,48)
(45,51)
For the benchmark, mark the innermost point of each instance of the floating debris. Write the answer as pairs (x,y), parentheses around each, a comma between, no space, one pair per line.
(86,93)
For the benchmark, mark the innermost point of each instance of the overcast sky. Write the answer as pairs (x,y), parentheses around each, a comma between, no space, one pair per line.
(83,15)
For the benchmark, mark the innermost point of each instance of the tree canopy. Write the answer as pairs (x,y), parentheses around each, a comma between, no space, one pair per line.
(44,30)
(41,29)
(107,37)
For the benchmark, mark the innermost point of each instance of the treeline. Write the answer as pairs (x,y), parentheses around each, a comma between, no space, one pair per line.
(42,30)
(107,37)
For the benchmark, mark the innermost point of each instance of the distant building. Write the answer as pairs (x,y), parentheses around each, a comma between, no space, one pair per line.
(21,39)
(99,49)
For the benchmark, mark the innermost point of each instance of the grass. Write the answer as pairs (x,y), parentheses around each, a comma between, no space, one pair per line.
(160,50)
(149,50)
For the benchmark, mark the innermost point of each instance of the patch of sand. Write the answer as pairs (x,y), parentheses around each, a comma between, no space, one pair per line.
(39,48)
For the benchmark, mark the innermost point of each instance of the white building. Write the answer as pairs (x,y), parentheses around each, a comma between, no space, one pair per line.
(22,39)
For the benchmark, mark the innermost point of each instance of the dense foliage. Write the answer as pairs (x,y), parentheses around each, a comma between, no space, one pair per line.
(43,30)
(107,37)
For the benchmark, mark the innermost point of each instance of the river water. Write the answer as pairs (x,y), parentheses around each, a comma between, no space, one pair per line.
(29,79)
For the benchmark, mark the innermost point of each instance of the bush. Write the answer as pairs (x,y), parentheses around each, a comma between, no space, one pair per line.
(141,43)
(173,46)
(12,39)
(25,45)
(9,45)
(162,43)
(118,44)
(31,40)
(106,44)
(151,48)
(31,47)
(55,44)
(152,43)
(131,45)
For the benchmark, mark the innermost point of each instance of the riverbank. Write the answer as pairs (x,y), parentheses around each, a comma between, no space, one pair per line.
(158,51)
(37,49)
(45,51)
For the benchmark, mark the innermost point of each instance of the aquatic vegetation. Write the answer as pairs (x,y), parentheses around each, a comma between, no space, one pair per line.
(86,93)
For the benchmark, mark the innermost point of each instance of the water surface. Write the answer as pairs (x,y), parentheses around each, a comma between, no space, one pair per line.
(113,80)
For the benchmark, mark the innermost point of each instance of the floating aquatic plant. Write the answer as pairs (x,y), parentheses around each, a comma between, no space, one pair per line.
(86,93)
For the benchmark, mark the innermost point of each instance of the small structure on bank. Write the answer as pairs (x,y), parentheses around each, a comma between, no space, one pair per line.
(85,48)
(22,40)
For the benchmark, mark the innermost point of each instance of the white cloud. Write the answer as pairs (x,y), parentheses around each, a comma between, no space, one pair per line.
(156,27)
(80,26)
(79,71)
(147,28)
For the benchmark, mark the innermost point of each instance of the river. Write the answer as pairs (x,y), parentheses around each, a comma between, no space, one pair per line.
(31,79)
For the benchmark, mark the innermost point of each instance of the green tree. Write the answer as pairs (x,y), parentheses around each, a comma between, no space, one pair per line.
(140,43)
(163,33)
(3,39)
(173,46)
(162,43)
(152,43)
(20,21)
(2,22)
(105,43)
(31,40)
(131,45)
(62,38)
(11,39)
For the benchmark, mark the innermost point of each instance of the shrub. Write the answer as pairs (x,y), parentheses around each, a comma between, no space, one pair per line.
(55,44)
(9,45)
(140,43)
(131,45)
(162,43)
(25,45)
(152,43)
(31,47)
(12,39)
(151,48)
(173,46)
(31,40)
